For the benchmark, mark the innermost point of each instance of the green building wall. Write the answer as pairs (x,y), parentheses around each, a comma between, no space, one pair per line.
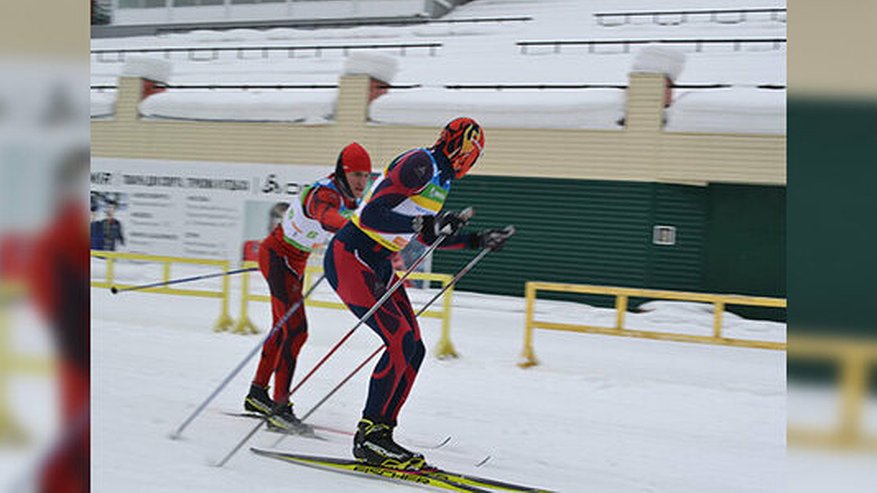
(833,216)
(729,238)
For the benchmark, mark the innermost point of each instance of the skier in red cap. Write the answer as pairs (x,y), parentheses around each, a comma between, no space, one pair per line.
(322,209)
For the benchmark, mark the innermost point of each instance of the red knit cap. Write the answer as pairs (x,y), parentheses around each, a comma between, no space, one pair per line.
(354,157)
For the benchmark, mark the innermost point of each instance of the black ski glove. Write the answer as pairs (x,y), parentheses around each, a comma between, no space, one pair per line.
(493,239)
(445,223)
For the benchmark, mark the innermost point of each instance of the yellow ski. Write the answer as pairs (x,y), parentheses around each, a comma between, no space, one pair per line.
(357,468)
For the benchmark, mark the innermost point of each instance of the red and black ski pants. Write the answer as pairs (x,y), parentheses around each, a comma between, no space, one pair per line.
(283,270)
(360,271)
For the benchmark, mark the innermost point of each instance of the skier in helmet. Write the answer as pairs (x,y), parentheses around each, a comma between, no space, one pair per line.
(403,204)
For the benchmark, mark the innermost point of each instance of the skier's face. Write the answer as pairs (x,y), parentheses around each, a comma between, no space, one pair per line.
(357,180)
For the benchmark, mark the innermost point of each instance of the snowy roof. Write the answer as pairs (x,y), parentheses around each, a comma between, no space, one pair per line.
(568,108)
(314,106)
(484,54)
(749,110)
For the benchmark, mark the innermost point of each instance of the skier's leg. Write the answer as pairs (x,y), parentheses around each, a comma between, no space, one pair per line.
(296,334)
(395,371)
(414,352)
(360,285)
(274,269)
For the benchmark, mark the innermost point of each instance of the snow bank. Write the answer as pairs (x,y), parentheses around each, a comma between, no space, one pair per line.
(659,59)
(592,108)
(148,68)
(376,65)
(736,110)
(312,106)
(103,104)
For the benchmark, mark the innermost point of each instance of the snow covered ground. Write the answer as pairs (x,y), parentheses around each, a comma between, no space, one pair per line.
(600,414)
(484,54)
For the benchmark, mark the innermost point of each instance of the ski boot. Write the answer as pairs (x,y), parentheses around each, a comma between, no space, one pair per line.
(285,421)
(374,445)
(258,401)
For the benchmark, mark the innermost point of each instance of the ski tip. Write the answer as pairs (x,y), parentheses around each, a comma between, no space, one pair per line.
(264,451)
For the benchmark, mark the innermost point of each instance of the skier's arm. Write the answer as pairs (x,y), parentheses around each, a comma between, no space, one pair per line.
(408,177)
(455,242)
(324,205)
(494,239)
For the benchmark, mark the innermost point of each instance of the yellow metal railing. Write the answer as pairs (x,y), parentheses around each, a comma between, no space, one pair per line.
(224,322)
(244,325)
(444,348)
(622,295)
(11,364)
(855,359)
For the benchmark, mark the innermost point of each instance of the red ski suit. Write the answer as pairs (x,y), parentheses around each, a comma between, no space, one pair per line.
(283,265)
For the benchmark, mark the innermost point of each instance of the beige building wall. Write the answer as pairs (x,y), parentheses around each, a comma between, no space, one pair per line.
(640,152)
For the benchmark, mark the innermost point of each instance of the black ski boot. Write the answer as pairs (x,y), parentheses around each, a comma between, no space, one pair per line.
(285,420)
(374,445)
(258,401)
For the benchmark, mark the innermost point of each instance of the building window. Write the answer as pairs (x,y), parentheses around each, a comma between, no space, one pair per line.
(141,4)
(194,3)
(664,235)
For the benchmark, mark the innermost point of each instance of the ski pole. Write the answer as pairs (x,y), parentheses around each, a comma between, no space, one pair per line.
(176,434)
(362,320)
(334,348)
(462,272)
(335,389)
(116,290)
